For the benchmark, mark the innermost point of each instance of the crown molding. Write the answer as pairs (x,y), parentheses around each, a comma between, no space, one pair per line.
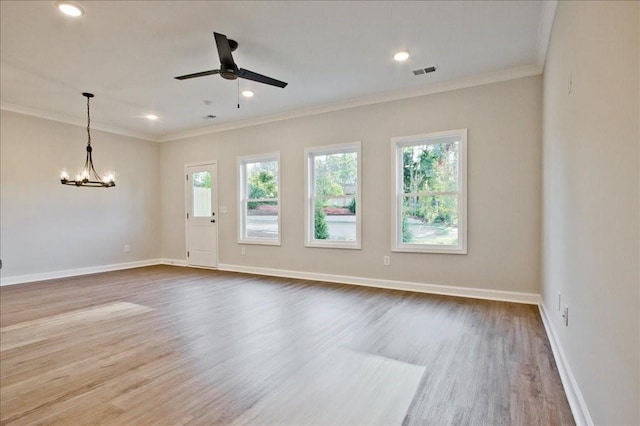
(446,86)
(460,83)
(547,15)
(61,118)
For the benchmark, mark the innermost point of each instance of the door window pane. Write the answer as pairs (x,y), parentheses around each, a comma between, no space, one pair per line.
(201,194)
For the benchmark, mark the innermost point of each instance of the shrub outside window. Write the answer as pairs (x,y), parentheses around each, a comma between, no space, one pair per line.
(430,199)
(333,208)
(259,199)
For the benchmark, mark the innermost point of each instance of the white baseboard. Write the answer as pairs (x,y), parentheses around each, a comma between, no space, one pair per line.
(20,279)
(178,262)
(174,262)
(506,296)
(576,400)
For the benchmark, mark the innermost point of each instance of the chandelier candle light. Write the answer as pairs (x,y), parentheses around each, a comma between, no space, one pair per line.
(88,176)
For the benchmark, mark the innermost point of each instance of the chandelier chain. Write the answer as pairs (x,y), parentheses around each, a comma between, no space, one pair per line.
(88,123)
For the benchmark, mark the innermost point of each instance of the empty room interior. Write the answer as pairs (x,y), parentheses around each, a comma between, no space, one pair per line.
(327,213)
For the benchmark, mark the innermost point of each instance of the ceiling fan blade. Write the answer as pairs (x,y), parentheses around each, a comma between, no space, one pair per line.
(198,74)
(250,75)
(224,51)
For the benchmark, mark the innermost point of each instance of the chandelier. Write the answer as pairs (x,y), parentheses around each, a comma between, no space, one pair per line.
(88,176)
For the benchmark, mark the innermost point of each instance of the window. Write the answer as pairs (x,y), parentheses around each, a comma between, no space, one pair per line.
(259,199)
(429,212)
(201,194)
(333,196)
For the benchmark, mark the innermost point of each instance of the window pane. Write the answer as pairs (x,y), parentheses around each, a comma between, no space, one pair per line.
(430,220)
(262,179)
(201,192)
(262,220)
(430,167)
(336,174)
(335,219)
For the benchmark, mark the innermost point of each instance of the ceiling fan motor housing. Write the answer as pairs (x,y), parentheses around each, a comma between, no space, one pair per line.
(229,73)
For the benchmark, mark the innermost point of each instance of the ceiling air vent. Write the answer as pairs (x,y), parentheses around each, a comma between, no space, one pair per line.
(421,71)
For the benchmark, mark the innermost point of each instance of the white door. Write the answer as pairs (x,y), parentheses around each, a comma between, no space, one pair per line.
(202,221)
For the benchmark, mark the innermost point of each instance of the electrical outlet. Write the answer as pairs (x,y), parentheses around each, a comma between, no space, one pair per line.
(565,315)
(386,260)
(243,251)
(127,248)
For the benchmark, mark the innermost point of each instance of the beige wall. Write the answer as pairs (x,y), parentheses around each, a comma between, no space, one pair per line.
(504,181)
(591,192)
(46,226)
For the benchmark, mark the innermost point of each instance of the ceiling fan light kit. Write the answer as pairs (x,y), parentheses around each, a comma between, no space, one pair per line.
(88,176)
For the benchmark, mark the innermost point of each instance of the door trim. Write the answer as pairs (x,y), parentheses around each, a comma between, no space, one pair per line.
(186,208)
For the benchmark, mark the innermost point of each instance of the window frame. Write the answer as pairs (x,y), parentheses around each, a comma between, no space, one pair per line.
(397,191)
(309,209)
(243,190)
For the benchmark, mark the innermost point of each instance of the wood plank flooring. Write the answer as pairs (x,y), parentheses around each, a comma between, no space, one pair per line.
(171,345)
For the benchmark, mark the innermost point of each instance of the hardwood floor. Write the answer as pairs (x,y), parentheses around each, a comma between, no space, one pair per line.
(171,345)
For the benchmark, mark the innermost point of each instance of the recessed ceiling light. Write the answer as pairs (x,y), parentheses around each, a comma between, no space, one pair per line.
(247,93)
(401,56)
(69,8)
(151,117)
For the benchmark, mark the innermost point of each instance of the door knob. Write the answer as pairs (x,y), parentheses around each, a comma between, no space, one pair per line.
(213,221)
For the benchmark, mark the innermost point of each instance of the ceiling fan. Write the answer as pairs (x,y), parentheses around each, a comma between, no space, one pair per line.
(228,68)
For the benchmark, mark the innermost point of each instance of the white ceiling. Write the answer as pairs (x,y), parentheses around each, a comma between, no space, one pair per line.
(331,53)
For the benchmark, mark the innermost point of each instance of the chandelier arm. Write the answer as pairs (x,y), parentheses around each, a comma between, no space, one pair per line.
(93,170)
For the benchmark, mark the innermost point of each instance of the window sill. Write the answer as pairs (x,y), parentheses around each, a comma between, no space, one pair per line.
(333,245)
(260,242)
(429,249)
